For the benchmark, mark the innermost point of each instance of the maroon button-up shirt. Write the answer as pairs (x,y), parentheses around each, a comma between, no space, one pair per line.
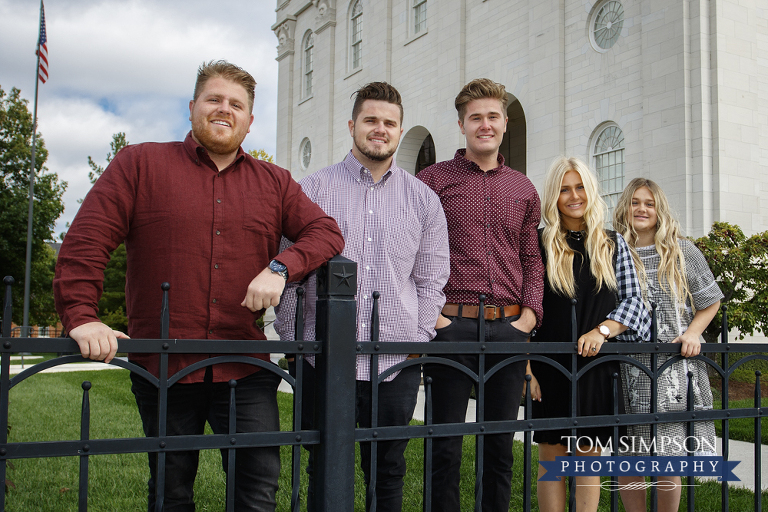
(492,219)
(207,233)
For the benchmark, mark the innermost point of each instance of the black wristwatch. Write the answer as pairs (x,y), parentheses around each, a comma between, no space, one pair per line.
(278,268)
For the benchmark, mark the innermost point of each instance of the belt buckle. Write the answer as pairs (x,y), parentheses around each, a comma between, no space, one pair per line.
(495,310)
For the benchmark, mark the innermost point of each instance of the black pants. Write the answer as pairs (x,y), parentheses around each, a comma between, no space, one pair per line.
(450,393)
(189,407)
(397,401)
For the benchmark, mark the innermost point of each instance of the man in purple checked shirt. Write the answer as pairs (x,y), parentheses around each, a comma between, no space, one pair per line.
(492,213)
(395,230)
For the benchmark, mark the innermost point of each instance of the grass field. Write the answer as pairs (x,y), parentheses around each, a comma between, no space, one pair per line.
(46,408)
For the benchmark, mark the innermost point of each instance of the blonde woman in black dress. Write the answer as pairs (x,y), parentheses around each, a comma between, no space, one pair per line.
(593,265)
(676,276)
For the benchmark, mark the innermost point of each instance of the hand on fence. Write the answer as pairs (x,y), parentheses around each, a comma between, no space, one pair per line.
(590,343)
(535,389)
(264,291)
(691,344)
(96,340)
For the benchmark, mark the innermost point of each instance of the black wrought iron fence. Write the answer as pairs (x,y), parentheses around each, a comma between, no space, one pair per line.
(334,438)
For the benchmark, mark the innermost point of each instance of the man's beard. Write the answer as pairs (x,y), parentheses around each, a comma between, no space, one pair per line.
(215,145)
(377,156)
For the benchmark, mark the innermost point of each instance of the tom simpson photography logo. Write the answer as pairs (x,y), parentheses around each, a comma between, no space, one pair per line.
(705,463)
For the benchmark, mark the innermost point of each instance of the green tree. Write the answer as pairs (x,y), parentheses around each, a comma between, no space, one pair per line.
(260,154)
(15,143)
(740,266)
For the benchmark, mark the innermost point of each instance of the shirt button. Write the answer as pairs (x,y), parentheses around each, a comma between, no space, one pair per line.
(214,301)
(371,188)
(370,239)
(367,267)
(370,211)
(365,296)
(218,200)
(218,232)
(362,325)
(216,266)
(489,252)
(210,332)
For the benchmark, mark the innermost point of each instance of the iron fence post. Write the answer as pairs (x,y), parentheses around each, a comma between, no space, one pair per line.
(335,412)
(5,379)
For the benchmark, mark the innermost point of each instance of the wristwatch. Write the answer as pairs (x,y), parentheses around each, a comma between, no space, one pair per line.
(604,330)
(278,268)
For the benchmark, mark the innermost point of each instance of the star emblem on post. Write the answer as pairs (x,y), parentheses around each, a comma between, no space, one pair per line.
(344,277)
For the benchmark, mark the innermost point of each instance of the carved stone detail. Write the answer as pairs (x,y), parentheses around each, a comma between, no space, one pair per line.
(285,33)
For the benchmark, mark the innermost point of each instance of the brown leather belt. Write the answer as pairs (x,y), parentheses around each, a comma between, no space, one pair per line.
(490,312)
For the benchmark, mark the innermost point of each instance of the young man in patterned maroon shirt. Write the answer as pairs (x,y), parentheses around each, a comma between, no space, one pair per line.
(492,213)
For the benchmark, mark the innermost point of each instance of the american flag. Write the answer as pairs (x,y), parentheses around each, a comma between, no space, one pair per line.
(42,47)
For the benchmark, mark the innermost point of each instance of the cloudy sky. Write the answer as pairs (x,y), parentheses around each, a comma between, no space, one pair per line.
(129,66)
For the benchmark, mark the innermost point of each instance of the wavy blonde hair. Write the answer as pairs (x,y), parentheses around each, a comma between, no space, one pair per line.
(671,272)
(600,247)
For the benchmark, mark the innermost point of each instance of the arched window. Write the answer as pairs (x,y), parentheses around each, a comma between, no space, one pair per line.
(419,16)
(608,155)
(309,46)
(356,35)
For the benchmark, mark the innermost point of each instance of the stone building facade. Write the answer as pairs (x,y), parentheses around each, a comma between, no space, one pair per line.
(673,90)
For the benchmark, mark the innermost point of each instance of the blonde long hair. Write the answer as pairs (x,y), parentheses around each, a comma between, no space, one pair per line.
(600,247)
(671,272)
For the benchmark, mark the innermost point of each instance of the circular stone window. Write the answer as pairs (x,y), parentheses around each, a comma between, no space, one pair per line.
(305,153)
(606,23)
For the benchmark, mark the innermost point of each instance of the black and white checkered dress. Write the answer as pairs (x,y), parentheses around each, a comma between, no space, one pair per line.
(672,321)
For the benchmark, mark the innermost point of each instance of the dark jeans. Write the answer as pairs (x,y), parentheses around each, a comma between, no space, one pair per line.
(397,401)
(450,393)
(189,407)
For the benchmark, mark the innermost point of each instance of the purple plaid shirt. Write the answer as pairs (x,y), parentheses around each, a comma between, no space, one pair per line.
(396,232)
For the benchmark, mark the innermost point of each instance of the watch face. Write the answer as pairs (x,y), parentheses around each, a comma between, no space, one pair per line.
(277,266)
(605,331)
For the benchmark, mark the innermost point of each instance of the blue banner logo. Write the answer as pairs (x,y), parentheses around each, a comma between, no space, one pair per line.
(639,466)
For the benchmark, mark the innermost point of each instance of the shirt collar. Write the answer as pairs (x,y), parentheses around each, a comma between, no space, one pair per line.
(461,155)
(360,172)
(199,154)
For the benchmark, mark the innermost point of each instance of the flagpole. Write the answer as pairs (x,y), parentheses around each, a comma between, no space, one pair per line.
(25,330)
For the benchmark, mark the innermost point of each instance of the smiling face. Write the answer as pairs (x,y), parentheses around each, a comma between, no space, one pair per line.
(572,202)
(376,131)
(483,125)
(643,211)
(220,117)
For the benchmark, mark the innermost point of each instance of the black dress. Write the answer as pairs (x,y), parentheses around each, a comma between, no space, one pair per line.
(594,389)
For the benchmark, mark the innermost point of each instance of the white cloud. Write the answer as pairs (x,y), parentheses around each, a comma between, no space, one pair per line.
(130,66)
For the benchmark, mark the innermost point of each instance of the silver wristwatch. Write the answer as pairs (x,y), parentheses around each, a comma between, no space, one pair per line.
(278,268)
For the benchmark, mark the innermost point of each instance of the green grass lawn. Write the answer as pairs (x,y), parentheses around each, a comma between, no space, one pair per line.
(46,407)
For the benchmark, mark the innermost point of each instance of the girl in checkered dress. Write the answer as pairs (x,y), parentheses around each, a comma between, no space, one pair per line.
(676,277)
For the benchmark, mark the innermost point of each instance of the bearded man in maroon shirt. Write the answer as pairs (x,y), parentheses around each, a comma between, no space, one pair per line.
(206,217)
(492,213)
